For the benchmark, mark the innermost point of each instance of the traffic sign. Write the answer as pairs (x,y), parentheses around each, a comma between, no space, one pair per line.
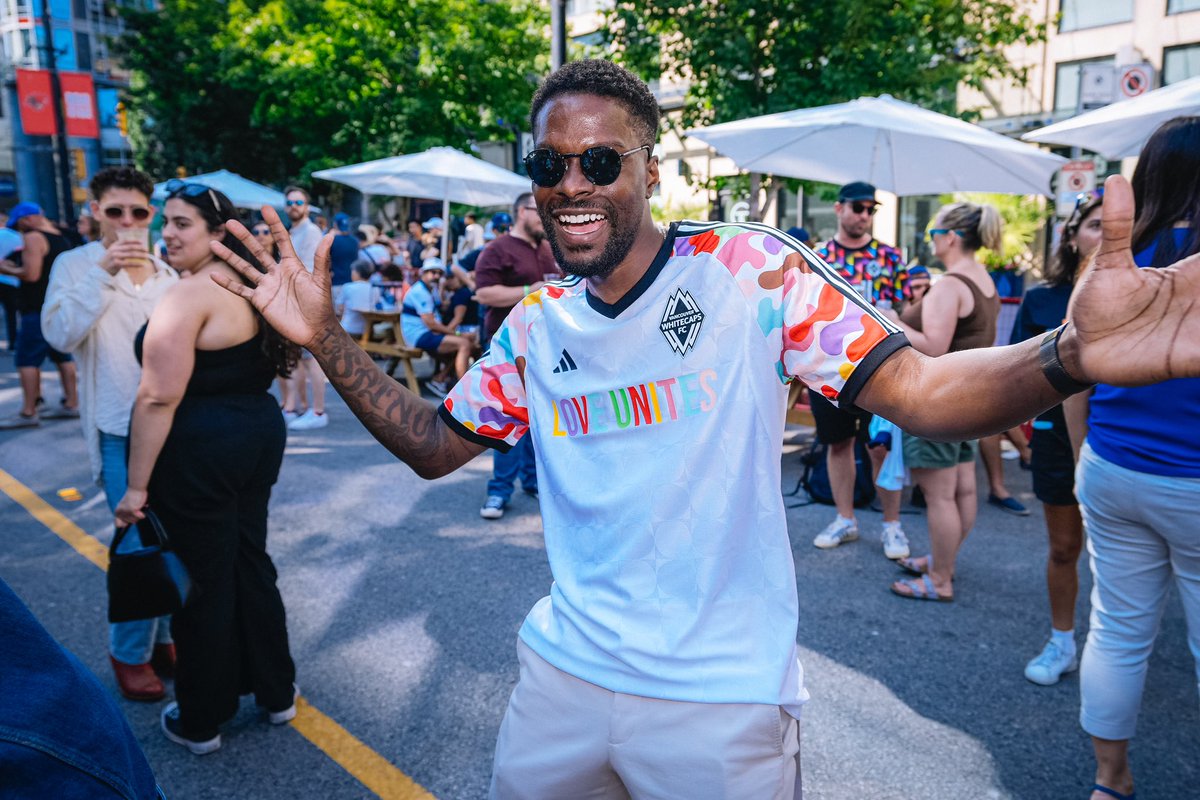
(1134,80)
(1075,178)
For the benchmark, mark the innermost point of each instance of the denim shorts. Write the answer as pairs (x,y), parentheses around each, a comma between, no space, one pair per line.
(32,349)
(430,342)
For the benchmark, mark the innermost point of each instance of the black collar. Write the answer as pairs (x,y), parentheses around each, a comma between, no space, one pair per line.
(612,311)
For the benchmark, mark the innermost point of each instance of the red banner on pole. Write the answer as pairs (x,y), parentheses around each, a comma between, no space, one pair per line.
(79,100)
(36,99)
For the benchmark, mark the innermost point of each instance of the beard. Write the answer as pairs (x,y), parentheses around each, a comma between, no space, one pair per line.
(620,242)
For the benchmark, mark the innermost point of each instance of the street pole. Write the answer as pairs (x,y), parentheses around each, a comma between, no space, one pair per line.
(66,206)
(558,33)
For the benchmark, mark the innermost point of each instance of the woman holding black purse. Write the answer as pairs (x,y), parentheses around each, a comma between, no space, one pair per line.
(206,444)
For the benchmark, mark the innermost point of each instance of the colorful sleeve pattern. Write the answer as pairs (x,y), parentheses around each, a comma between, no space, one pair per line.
(825,330)
(488,406)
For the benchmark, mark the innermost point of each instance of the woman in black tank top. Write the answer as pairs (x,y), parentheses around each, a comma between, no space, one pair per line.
(206,445)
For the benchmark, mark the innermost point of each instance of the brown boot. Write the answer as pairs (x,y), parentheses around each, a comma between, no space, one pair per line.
(137,681)
(163,660)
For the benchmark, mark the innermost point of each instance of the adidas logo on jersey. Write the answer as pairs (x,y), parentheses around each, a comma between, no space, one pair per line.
(565,364)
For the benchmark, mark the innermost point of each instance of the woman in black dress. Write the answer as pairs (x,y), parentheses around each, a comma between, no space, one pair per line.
(206,443)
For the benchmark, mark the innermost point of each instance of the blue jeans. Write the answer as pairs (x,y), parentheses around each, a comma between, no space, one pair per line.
(507,467)
(129,642)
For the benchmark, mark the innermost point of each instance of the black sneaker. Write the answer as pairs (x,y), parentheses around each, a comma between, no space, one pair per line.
(173,729)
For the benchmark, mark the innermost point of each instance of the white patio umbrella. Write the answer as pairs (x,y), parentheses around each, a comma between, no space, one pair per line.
(896,146)
(1121,129)
(242,192)
(441,172)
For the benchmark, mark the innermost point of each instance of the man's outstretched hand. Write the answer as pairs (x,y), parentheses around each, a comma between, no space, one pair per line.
(1132,326)
(292,300)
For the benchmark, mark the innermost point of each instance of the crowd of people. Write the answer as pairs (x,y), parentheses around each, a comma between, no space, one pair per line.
(543,330)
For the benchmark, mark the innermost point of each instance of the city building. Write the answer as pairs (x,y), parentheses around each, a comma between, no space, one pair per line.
(81,38)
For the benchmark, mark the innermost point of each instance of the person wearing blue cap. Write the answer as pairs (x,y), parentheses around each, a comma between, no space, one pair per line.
(43,243)
(343,252)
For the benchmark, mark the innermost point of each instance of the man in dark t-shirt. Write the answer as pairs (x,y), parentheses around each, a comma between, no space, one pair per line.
(343,252)
(511,267)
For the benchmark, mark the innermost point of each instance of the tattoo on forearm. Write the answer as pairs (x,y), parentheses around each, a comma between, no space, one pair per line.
(405,424)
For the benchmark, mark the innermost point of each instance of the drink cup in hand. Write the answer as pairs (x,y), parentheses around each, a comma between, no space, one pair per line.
(141,236)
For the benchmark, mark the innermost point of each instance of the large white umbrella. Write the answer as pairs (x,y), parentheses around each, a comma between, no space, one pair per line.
(1121,129)
(242,192)
(441,172)
(896,146)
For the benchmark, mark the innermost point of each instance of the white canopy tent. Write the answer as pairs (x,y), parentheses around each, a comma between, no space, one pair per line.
(1121,129)
(440,172)
(897,146)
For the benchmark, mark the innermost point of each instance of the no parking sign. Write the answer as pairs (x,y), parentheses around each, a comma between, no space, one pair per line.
(1075,178)
(1134,80)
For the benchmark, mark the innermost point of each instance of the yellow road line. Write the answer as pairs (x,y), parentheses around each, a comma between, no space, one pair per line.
(86,545)
(368,767)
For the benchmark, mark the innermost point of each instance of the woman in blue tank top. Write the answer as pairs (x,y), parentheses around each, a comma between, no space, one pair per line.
(1138,483)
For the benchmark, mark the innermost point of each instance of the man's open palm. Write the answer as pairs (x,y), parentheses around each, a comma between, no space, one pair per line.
(294,301)
(1134,326)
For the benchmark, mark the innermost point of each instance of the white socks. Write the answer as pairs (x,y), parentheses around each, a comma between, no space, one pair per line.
(1064,639)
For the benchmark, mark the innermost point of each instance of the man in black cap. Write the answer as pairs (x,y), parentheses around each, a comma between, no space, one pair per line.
(877,271)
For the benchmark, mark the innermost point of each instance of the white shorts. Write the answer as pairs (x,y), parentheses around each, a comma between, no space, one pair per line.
(566,738)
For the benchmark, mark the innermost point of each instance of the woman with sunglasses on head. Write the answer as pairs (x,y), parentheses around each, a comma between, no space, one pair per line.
(1043,309)
(98,297)
(206,443)
(957,313)
(1138,482)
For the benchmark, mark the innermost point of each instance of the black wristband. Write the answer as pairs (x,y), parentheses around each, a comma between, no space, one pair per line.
(1052,366)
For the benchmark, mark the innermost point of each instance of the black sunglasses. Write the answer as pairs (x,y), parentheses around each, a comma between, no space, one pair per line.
(261,231)
(859,208)
(600,164)
(139,213)
(177,188)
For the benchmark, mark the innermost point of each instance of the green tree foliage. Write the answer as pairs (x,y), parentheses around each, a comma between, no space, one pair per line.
(742,58)
(275,89)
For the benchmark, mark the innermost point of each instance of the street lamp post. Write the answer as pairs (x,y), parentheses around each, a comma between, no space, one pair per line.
(66,207)
(558,33)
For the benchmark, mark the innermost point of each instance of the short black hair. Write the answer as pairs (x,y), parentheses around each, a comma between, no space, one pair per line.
(121,178)
(605,79)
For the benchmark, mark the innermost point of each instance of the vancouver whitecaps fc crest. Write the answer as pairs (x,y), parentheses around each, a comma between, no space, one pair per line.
(681,321)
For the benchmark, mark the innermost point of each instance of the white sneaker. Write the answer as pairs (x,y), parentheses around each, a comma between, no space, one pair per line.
(309,420)
(289,713)
(493,507)
(290,416)
(1050,664)
(895,543)
(837,532)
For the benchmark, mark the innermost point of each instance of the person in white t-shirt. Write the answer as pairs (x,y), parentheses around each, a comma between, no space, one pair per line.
(305,237)
(356,298)
(98,297)
(654,380)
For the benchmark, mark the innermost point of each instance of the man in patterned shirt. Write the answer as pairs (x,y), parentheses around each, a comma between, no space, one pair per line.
(876,271)
(664,661)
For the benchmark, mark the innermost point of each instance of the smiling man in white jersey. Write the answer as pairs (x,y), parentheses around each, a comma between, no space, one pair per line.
(663,662)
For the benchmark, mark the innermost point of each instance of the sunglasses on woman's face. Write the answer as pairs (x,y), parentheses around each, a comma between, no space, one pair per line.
(601,165)
(262,231)
(139,213)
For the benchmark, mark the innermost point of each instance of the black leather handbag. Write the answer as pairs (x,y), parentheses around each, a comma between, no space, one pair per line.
(147,582)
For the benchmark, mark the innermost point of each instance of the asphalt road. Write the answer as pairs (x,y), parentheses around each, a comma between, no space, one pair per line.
(403,606)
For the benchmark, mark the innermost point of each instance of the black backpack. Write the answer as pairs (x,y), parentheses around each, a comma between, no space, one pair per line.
(815,477)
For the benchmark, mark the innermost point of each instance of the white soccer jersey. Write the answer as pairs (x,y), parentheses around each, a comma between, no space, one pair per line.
(657,425)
